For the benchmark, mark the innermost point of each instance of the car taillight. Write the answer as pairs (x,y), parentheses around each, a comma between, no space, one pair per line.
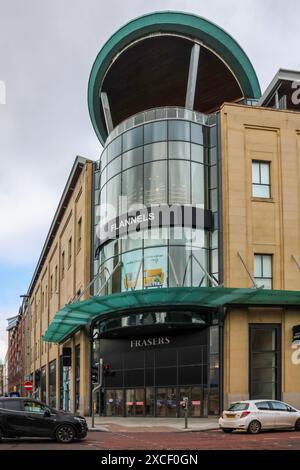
(244,414)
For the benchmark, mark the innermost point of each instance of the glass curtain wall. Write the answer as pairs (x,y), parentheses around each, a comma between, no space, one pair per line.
(166,162)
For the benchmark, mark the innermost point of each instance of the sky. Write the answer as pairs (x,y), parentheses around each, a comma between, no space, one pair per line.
(47,49)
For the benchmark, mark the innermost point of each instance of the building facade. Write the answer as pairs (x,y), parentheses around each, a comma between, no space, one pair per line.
(61,275)
(188,281)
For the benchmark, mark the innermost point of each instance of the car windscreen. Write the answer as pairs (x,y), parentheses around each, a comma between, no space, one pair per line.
(11,405)
(238,407)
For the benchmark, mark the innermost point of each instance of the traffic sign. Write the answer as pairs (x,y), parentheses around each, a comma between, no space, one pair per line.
(28,385)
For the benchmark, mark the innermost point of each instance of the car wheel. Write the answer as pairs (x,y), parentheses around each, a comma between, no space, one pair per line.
(297,425)
(254,427)
(65,434)
(227,430)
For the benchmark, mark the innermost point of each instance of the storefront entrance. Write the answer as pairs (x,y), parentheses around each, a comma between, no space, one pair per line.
(164,402)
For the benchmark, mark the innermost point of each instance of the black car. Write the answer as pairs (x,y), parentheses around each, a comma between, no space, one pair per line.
(25,417)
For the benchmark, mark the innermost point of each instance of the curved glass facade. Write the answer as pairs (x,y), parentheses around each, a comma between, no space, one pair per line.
(170,161)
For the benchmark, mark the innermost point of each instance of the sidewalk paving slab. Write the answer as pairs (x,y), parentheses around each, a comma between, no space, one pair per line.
(116,424)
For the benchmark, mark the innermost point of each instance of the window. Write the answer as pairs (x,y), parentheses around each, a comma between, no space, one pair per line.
(179,130)
(132,157)
(34,407)
(13,405)
(51,285)
(62,265)
(132,138)
(263,270)
(79,234)
(279,406)
(261,179)
(179,182)
(155,183)
(55,279)
(155,132)
(264,362)
(263,405)
(238,407)
(69,252)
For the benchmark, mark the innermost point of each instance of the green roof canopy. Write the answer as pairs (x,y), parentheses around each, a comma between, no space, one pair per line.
(74,316)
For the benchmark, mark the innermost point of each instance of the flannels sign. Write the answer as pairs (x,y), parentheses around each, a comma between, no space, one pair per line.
(144,343)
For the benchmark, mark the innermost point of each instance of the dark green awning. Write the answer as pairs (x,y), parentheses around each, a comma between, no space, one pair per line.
(74,316)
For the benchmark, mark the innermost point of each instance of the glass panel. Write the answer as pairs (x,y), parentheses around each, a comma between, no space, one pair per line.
(263,390)
(263,340)
(133,138)
(260,360)
(155,183)
(103,159)
(196,401)
(155,267)
(197,153)
(265,173)
(264,375)
(213,136)
(257,266)
(197,132)
(255,173)
(156,151)
(114,149)
(267,266)
(182,265)
(132,157)
(278,406)
(119,403)
(132,270)
(114,167)
(179,182)
(199,276)
(263,282)
(132,185)
(179,130)
(213,177)
(166,403)
(130,400)
(155,132)
(260,190)
(149,408)
(179,150)
(198,184)
(113,191)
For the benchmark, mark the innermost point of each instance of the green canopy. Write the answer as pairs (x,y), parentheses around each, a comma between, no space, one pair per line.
(74,316)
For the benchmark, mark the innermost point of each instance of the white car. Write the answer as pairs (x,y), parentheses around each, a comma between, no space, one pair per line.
(255,415)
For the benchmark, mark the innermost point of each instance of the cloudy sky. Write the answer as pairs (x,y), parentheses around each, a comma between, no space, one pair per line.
(47,48)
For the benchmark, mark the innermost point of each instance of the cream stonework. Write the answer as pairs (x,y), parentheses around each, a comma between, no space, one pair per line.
(260,226)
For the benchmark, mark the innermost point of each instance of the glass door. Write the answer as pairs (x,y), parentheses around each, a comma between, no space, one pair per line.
(166,402)
(114,403)
(135,402)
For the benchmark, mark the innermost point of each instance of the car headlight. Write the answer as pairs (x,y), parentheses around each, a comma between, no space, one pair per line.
(81,420)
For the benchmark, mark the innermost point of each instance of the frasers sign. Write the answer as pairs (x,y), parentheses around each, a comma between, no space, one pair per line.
(148,342)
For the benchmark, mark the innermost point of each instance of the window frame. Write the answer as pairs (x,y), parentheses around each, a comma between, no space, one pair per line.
(262,277)
(260,184)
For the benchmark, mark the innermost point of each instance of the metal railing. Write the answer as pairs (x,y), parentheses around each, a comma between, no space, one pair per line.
(155,114)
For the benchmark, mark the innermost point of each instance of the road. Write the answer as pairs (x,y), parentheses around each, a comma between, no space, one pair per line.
(210,440)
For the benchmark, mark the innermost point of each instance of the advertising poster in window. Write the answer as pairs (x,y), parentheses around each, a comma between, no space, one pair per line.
(155,268)
(132,270)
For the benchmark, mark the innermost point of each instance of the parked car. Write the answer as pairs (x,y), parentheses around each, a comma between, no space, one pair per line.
(255,415)
(25,417)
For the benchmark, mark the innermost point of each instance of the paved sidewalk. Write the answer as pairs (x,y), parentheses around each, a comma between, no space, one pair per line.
(107,424)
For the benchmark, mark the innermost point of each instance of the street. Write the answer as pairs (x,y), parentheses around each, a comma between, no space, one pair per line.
(147,440)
